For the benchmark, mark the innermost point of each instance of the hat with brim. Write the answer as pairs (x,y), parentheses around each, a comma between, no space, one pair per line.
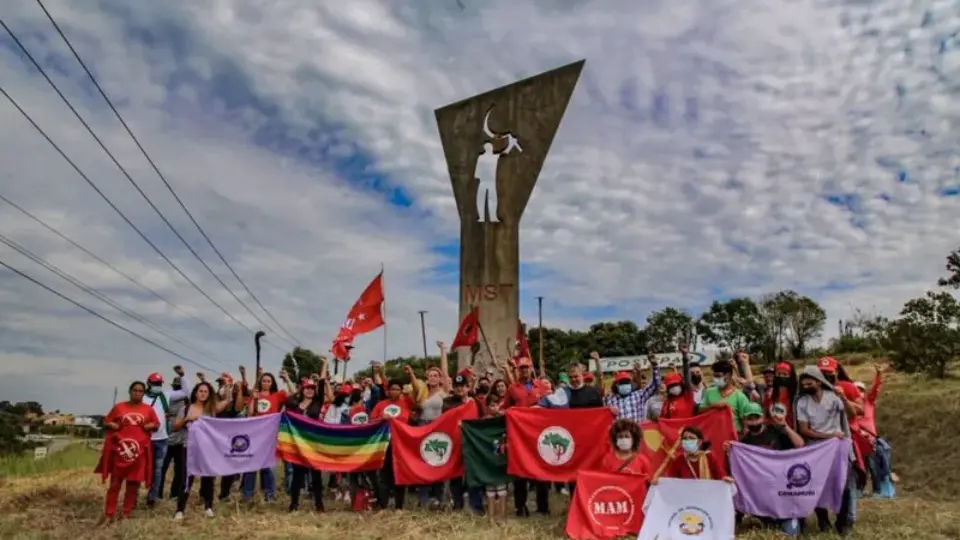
(752,409)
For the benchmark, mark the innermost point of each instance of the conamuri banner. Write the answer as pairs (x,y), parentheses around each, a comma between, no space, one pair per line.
(626,363)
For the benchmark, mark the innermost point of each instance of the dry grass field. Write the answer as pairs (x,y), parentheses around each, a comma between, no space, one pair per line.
(60,498)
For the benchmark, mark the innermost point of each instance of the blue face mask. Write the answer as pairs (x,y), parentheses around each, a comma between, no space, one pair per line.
(690,445)
(624,389)
(719,382)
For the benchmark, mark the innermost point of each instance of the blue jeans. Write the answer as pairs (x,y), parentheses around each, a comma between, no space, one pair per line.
(159,449)
(268,483)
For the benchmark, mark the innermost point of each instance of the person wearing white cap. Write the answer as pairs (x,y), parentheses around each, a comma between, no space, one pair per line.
(160,400)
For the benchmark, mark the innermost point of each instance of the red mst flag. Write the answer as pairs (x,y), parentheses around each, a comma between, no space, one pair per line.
(661,435)
(606,505)
(523,346)
(469,329)
(551,445)
(431,453)
(365,316)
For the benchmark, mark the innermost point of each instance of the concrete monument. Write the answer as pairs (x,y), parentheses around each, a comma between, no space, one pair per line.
(495,145)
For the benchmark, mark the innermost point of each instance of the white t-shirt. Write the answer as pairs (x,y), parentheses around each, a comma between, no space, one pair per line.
(172,395)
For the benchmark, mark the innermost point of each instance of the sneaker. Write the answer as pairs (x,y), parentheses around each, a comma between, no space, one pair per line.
(346,498)
(209,513)
(338,497)
(564,491)
(178,516)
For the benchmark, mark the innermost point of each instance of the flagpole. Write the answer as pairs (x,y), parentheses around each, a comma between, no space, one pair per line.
(483,336)
(384,290)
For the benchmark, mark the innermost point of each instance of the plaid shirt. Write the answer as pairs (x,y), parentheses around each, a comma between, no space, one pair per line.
(633,406)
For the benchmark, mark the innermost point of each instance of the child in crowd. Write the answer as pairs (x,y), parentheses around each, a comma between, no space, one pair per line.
(496,495)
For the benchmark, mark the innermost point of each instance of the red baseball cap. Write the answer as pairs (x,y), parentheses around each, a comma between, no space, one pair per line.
(307,382)
(465,371)
(155,378)
(588,377)
(524,362)
(623,375)
(346,388)
(672,378)
(827,364)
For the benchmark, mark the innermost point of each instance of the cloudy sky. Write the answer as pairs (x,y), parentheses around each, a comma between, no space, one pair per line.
(712,148)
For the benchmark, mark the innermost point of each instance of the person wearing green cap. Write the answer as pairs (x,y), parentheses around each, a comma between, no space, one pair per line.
(775,435)
(564,379)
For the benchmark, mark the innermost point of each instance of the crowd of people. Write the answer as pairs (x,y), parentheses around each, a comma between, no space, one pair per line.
(147,435)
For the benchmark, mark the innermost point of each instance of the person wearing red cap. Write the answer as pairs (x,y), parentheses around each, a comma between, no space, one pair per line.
(782,391)
(679,402)
(629,397)
(162,403)
(524,393)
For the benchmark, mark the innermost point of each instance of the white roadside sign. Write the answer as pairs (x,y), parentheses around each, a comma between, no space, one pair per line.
(626,363)
(40,452)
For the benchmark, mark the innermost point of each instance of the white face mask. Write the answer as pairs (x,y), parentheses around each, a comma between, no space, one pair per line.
(624,444)
(675,390)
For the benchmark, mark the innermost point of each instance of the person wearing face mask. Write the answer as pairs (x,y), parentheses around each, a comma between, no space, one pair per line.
(679,402)
(458,486)
(776,435)
(781,391)
(725,394)
(697,387)
(695,460)
(629,397)
(821,415)
(625,456)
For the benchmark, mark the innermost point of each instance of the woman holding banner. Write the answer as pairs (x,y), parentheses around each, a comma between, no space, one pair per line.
(203,402)
(307,403)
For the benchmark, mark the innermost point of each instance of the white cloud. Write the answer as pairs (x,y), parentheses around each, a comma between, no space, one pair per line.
(696,156)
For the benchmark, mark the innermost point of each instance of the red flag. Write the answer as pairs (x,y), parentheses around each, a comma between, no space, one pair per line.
(468,331)
(127,452)
(606,505)
(523,346)
(431,453)
(365,316)
(551,445)
(660,436)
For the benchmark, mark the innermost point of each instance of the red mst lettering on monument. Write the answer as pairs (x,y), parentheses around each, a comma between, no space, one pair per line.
(474,294)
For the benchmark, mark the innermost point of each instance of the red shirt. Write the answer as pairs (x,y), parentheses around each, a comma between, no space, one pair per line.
(681,406)
(126,452)
(358,414)
(267,403)
(639,465)
(399,409)
(679,467)
(783,398)
(518,395)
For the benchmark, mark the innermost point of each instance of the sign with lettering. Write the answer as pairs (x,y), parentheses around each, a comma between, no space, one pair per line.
(626,363)
(474,294)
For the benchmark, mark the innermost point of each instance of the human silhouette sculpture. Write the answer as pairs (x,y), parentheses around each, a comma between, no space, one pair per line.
(496,145)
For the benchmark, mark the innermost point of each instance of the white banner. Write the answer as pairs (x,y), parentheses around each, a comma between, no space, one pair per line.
(677,509)
(626,363)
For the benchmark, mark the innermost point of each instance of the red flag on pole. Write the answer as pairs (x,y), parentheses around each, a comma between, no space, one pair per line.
(469,330)
(365,316)
(523,346)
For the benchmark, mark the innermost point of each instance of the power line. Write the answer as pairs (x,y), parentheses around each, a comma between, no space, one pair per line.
(159,174)
(102,297)
(126,174)
(105,319)
(121,214)
(108,265)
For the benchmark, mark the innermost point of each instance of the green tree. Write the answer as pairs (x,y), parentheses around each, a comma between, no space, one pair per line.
(805,319)
(773,314)
(926,337)
(736,323)
(667,329)
(301,363)
(621,338)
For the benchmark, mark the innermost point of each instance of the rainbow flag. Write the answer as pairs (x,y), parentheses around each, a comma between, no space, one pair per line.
(332,448)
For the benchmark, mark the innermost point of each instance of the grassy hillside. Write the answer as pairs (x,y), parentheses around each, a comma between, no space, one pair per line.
(62,499)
